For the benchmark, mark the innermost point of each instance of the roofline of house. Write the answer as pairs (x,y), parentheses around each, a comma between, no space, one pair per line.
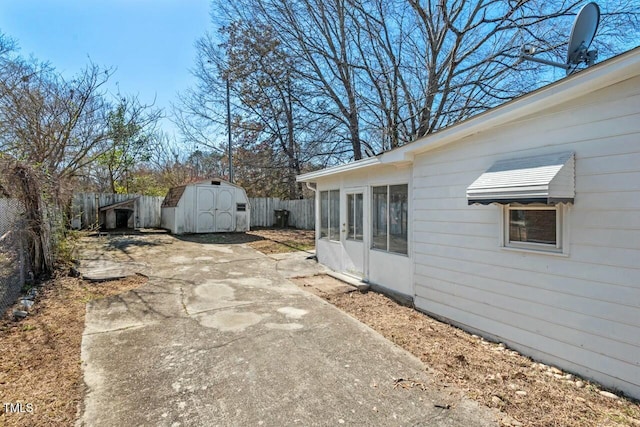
(606,73)
(358,164)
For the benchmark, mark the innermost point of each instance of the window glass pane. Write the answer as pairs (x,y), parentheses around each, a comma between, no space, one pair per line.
(359,216)
(350,216)
(324,214)
(398,218)
(379,218)
(334,215)
(532,226)
(354,216)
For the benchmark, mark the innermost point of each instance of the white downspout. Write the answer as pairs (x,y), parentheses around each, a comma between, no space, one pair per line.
(314,187)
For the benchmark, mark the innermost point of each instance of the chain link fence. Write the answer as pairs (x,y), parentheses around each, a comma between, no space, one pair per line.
(14,261)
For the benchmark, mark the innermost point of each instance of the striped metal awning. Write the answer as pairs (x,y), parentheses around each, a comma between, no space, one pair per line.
(547,179)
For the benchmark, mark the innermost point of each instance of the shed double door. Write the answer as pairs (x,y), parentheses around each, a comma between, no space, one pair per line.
(215,209)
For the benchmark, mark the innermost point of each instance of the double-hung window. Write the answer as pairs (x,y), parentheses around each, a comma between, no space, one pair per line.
(390,218)
(330,214)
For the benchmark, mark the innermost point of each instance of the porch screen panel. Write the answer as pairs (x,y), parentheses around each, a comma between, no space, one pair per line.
(398,218)
(324,214)
(351,220)
(359,203)
(379,218)
(334,215)
(354,216)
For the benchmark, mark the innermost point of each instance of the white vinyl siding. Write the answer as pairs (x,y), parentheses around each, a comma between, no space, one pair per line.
(579,311)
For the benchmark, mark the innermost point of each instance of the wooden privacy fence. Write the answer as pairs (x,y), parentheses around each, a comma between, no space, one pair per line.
(301,212)
(85,208)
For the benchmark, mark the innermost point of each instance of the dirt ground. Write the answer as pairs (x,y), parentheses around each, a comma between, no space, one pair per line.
(265,240)
(528,393)
(40,355)
(283,240)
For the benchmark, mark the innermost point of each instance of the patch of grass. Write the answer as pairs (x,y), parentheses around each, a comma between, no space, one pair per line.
(66,245)
(274,240)
(299,246)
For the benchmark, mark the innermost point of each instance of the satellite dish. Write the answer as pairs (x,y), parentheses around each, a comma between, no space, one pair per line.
(584,28)
(582,33)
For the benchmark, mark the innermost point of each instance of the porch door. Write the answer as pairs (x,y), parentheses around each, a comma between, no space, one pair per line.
(353,234)
(206,212)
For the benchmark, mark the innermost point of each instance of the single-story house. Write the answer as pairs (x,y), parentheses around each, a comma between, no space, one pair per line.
(521,224)
(210,206)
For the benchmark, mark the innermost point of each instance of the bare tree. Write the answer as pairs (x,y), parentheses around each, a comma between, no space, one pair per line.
(260,72)
(267,105)
(50,128)
(424,65)
(382,73)
(200,111)
(49,121)
(317,34)
(7,45)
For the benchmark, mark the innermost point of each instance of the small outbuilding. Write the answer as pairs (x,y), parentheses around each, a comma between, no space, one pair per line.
(120,215)
(212,206)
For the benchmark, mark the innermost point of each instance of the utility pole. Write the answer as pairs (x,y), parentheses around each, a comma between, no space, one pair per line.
(229,132)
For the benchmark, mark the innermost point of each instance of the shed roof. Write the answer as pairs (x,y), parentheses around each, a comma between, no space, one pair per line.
(121,205)
(173,197)
(214,181)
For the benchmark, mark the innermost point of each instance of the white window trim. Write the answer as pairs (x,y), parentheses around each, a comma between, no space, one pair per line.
(562,231)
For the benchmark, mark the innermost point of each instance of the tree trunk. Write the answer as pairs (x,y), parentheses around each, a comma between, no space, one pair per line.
(39,236)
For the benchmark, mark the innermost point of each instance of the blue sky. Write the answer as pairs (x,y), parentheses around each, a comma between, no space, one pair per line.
(150,43)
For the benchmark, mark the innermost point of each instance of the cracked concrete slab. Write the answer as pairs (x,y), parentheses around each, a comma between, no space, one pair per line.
(220,336)
(99,270)
(298,264)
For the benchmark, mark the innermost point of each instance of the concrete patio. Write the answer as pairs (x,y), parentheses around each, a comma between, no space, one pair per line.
(219,336)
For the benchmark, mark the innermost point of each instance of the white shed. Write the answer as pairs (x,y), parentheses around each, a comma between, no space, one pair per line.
(521,224)
(213,206)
